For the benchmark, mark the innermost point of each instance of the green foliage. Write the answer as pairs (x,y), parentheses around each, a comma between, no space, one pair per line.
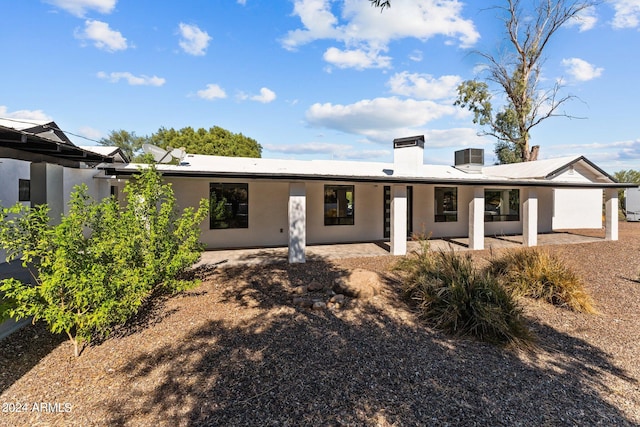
(534,273)
(101,262)
(215,141)
(451,295)
(128,142)
(625,176)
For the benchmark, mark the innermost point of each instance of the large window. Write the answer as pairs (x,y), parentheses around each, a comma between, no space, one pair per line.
(446,203)
(24,190)
(501,205)
(338,205)
(228,205)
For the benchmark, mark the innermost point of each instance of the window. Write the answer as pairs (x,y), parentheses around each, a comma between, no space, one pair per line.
(228,205)
(24,190)
(338,205)
(114,192)
(446,203)
(501,205)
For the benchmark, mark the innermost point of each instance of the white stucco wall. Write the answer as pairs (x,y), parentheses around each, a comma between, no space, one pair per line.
(11,171)
(577,208)
(98,188)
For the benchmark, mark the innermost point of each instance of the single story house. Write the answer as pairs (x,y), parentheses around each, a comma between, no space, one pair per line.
(268,202)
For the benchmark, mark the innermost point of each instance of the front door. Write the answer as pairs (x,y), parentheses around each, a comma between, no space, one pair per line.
(387,211)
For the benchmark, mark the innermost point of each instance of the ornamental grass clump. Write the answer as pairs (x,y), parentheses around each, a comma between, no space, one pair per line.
(538,274)
(451,295)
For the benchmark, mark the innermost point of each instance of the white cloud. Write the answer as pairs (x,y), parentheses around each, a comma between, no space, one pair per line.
(581,70)
(80,7)
(242,2)
(424,86)
(193,40)
(627,14)
(365,31)
(416,55)
(266,96)
(379,119)
(24,114)
(356,58)
(141,80)
(102,36)
(90,133)
(212,91)
(586,20)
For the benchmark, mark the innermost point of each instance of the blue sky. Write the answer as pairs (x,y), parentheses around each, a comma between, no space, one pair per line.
(309,79)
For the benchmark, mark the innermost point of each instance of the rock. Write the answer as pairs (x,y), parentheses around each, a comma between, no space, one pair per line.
(338,298)
(319,305)
(302,302)
(315,286)
(359,284)
(300,290)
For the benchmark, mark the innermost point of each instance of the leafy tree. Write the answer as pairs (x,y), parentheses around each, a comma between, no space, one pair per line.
(215,141)
(95,269)
(128,142)
(625,176)
(517,74)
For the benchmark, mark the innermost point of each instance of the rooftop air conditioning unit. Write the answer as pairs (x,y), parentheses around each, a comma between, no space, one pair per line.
(469,159)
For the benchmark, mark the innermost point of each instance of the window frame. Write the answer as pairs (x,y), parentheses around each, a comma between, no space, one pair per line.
(348,218)
(24,190)
(233,220)
(444,216)
(499,216)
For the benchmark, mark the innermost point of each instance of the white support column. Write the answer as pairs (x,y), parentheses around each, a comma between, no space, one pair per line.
(611,214)
(47,187)
(398,240)
(476,219)
(530,218)
(297,222)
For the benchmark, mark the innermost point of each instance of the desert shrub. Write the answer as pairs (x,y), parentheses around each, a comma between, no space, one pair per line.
(536,273)
(450,294)
(97,266)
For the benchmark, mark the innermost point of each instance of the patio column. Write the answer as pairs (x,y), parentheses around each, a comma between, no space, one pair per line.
(611,214)
(530,218)
(398,241)
(476,219)
(297,222)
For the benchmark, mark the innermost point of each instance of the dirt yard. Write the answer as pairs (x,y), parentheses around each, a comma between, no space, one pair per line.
(237,351)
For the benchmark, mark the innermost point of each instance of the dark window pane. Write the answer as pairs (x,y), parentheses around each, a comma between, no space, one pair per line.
(338,205)
(228,205)
(24,190)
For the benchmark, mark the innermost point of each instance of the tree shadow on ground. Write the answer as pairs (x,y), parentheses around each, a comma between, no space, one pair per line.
(287,365)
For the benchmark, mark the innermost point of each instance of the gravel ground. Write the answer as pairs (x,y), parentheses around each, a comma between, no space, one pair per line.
(236,351)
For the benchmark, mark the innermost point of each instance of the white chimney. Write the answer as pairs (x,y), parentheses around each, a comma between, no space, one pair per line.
(408,155)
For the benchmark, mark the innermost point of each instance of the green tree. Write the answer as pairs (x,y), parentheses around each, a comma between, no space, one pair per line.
(101,262)
(215,141)
(128,142)
(625,176)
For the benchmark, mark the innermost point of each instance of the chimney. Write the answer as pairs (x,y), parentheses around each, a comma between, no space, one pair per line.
(408,154)
(470,160)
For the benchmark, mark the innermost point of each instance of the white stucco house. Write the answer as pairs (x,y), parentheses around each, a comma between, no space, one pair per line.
(295,203)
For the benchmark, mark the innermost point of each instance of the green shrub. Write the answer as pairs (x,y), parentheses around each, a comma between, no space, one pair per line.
(535,273)
(101,262)
(451,295)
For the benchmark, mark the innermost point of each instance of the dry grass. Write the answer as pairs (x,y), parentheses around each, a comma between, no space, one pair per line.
(537,273)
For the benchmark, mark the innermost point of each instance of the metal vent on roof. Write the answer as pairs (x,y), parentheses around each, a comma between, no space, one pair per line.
(411,141)
(469,156)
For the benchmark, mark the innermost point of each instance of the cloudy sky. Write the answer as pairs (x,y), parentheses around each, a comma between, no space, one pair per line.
(310,79)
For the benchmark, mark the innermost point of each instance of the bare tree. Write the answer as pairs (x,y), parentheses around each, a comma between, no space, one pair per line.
(517,72)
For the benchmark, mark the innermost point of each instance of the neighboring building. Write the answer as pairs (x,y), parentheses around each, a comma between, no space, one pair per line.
(268,202)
